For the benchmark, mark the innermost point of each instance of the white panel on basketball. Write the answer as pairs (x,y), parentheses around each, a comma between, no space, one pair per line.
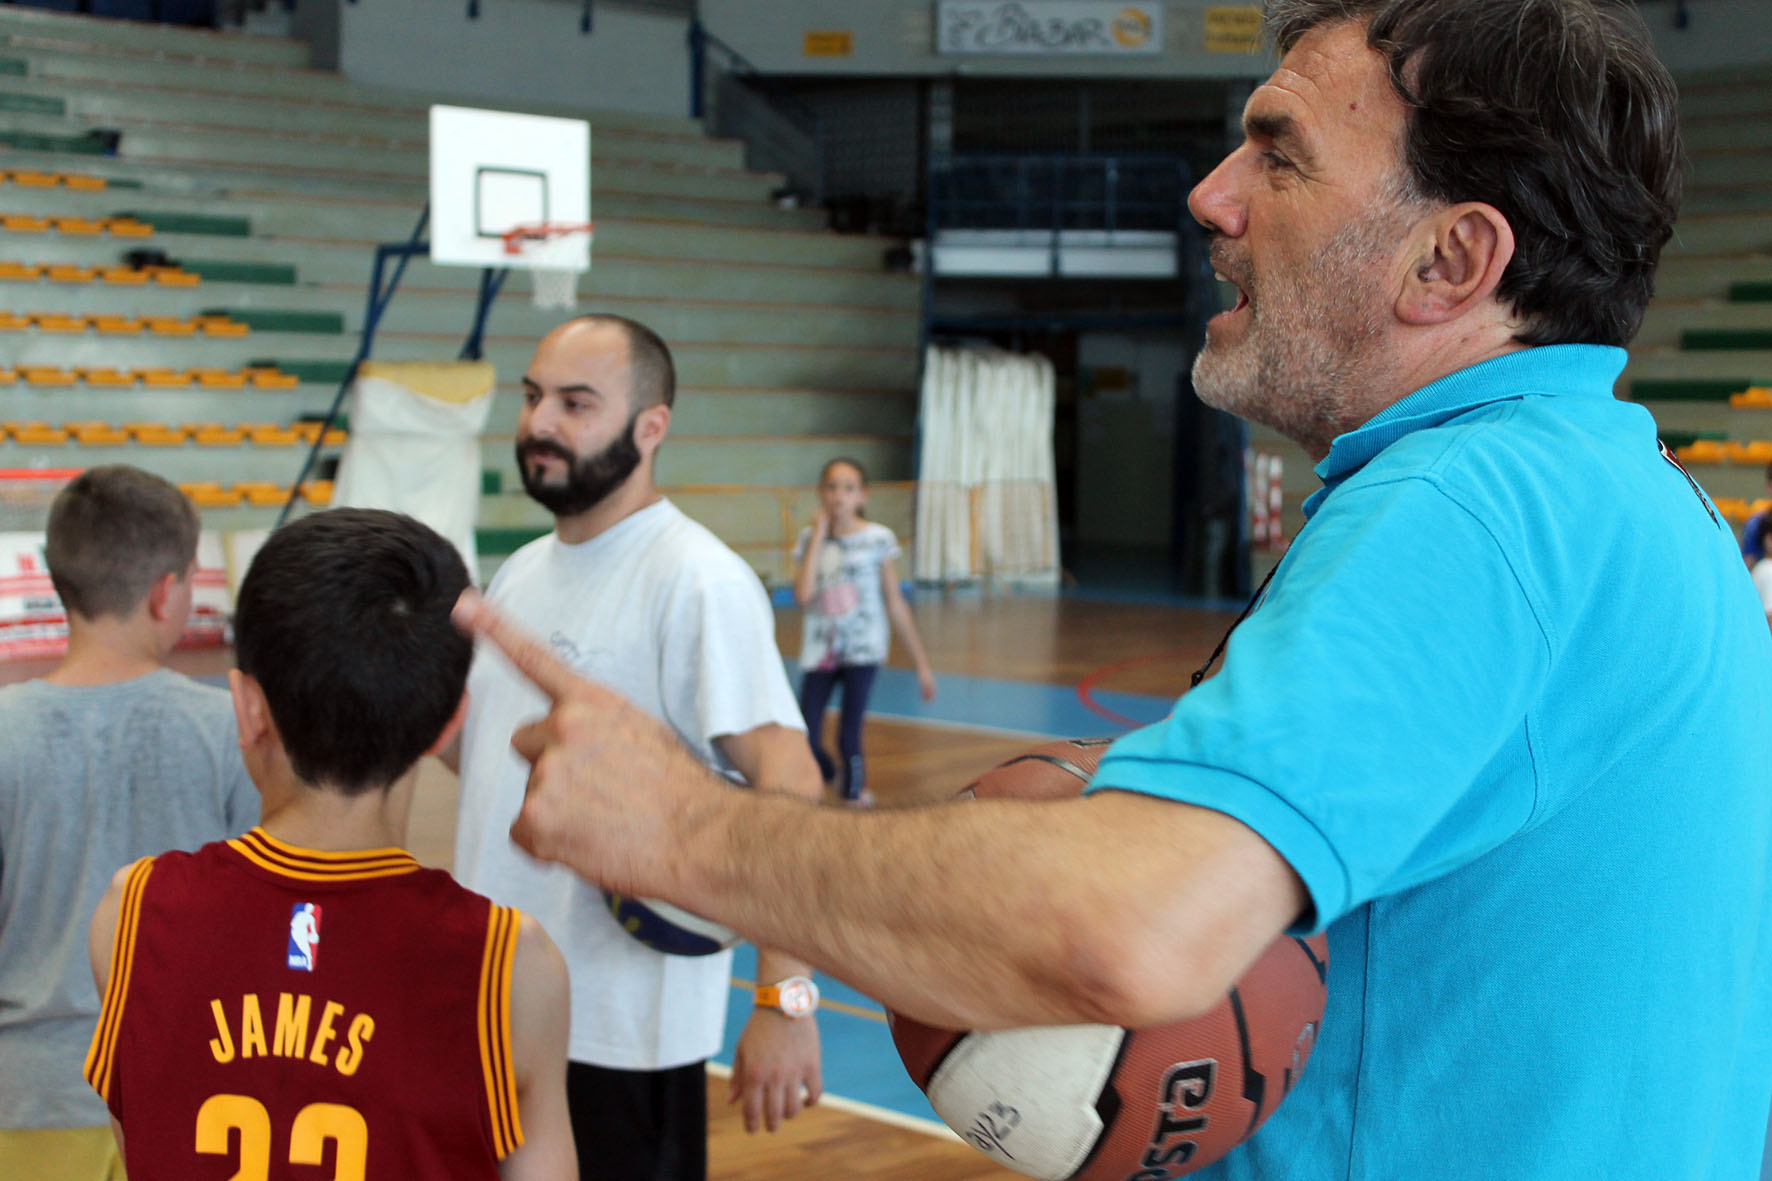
(492,171)
(692,923)
(1049,1078)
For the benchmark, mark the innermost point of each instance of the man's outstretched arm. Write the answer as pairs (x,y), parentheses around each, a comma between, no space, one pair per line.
(1117,908)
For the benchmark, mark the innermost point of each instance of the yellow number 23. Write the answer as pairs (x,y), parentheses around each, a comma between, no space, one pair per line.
(314,1125)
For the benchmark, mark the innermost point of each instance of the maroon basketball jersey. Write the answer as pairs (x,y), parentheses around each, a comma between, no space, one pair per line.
(280,1012)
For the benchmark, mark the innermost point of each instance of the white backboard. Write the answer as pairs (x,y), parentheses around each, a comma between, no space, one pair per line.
(493,170)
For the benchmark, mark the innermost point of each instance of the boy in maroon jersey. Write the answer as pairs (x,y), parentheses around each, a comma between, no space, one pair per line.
(307,995)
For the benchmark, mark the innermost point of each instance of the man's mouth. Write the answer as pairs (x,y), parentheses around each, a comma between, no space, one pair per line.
(1242,295)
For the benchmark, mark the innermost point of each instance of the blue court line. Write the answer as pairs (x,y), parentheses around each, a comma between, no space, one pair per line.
(1016,707)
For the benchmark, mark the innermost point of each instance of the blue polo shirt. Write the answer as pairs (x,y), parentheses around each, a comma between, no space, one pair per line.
(1507,710)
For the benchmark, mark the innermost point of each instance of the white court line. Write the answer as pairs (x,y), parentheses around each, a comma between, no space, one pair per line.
(882,1115)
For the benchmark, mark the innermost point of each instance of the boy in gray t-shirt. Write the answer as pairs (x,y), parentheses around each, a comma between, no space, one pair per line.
(109,758)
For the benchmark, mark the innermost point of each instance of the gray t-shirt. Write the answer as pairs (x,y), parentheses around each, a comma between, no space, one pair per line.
(91,779)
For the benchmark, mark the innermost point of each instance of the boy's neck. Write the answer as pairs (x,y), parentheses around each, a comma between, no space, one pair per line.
(329,821)
(107,651)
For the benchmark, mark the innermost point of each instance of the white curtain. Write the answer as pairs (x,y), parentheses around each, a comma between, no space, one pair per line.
(986,507)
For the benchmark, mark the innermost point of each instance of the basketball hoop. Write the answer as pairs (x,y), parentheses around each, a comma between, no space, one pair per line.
(551,287)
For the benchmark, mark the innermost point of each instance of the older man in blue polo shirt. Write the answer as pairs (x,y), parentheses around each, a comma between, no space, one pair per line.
(1497,726)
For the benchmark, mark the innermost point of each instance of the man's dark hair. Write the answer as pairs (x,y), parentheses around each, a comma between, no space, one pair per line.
(343,619)
(653,373)
(1557,113)
(114,532)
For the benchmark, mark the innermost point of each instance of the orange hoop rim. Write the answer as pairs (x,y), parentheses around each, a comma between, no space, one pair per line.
(542,231)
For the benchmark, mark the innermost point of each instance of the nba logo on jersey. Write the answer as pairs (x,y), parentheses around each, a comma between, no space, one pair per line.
(304,936)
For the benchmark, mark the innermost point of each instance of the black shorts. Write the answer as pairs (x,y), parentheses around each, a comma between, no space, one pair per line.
(639,1125)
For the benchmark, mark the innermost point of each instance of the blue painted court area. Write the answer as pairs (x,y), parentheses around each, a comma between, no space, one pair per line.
(1016,707)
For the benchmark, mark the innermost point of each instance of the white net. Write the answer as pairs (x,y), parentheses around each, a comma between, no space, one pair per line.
(554,288)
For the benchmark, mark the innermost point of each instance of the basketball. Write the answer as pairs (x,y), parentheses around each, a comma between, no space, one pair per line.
(1094,1102)
(667,928)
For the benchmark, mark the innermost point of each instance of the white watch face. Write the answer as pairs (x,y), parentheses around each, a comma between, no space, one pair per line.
(799,996)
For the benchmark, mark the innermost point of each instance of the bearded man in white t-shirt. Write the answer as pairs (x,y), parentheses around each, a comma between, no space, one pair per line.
(634,594)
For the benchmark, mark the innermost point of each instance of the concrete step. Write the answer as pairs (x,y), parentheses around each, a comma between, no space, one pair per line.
(226,80)
(1701,106)
(342,260)
(190,147)
(340,311)
(1749,129)
(1668,320)
(1734,233)
(1740,164)
(93,103)
(32,28)
(1708,276)
(210,183)
(714,363)
(689,459)
(1726,199)
(1672,374)
(381,218)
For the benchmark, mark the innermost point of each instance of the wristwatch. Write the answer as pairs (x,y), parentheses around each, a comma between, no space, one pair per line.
(795,997)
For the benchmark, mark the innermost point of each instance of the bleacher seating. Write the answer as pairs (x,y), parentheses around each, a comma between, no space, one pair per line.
(212,271)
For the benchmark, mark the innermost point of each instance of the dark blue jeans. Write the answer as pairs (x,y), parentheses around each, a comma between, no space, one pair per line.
(815,693)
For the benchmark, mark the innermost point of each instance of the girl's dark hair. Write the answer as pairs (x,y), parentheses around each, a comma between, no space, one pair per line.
(343,619)
(1555,112)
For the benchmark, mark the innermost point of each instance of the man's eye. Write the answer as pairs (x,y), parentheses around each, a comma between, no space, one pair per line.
(1275,160)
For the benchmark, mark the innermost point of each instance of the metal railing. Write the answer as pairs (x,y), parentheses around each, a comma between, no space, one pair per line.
(737,101)
(1083,191)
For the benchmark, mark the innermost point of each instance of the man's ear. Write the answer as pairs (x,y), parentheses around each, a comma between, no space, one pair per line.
(452,728)
(651,426)
(1461,254)
(252,713)
(160,597)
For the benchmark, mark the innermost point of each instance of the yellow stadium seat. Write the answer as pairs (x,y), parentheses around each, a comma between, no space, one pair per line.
(11,322)
(309,431)
(85,184)
(168,326)
(215,435)
(45,375)
(262,492)
(70,273)
(108,377)
(128,227)
(219,379)
(273,436)
(157,434)
(222,326)
(32,179)
(210,495)
(20,223)
(164,378)
(39,434)
(8,376)
(128,276)
(79,225)
(274,380)
(118,325)
(20,270)
(99,434)
(1756,451)
(53,322)
(318,491)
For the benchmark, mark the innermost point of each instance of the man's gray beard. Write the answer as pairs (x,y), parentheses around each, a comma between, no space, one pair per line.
(1309,350)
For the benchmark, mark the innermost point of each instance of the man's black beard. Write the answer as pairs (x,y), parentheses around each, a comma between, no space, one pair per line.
(588,481)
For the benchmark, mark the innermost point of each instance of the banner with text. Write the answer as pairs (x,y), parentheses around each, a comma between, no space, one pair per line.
(1048,27)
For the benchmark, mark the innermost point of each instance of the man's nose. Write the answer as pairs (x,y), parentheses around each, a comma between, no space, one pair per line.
(1216,203)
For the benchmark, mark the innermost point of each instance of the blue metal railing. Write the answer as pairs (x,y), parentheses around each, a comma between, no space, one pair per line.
(780,132)
(1085,191)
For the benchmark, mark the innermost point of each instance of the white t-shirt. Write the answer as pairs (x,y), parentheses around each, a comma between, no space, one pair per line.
(846,621)
(1763,582)
(658,609)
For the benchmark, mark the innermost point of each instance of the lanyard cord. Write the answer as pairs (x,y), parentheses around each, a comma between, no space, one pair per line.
(1200,673)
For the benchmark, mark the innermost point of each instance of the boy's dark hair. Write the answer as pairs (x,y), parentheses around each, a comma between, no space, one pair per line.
(114,532)
(846,461)
(343,619)
(1555,112)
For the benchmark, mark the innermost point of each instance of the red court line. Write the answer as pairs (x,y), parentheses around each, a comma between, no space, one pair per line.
(1086,686)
